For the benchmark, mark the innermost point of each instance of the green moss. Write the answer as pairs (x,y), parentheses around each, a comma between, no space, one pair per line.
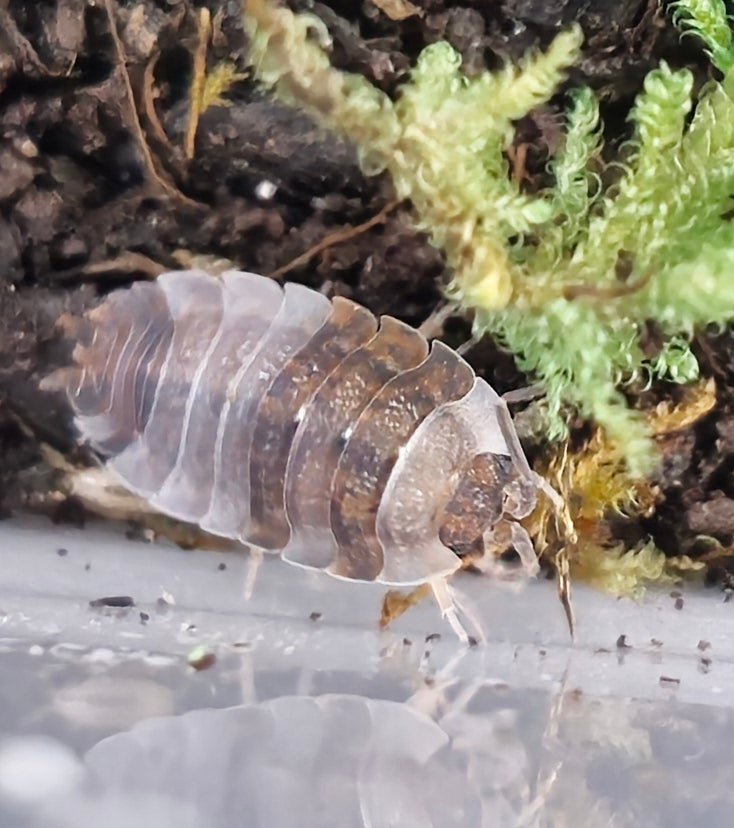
(542,272)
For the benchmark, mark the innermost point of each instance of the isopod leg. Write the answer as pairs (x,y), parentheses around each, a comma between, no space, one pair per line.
(562,511)
(254,562)
(521,461)
(525,549)
(451,606)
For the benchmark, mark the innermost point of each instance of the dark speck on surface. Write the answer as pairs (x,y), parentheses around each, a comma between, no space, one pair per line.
(117,601)
(679,603)
(222,566)
(703,645)
(669,681)
(62,552)
(315,616)
(144,617)
(432,638)
(622,643)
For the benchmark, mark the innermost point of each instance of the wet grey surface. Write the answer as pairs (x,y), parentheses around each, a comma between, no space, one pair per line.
(325,721)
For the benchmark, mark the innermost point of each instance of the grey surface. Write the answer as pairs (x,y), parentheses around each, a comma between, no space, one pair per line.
(327,722)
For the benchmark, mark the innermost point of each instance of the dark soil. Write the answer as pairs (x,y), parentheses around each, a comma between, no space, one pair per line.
(96,189)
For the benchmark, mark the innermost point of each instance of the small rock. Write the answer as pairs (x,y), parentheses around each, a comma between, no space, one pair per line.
(201,658)
(714,517)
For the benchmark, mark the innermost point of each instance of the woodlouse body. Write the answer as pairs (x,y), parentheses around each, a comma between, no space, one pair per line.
(299,424)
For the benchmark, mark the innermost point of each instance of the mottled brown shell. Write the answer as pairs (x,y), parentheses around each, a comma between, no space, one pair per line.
(287,421)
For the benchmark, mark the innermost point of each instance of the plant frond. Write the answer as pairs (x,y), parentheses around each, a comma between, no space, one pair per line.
(708,20)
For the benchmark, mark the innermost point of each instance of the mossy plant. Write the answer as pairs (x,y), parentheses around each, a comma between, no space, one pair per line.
(541,272)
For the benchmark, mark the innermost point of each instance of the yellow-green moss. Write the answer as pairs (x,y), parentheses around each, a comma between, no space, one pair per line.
(541,271)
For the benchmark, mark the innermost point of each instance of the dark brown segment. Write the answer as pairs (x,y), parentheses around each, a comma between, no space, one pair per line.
(302,313)
(477,503)
(320,438)
(365,465)
(283,407)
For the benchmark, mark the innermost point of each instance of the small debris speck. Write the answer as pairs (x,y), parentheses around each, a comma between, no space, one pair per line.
(656,642)
(669,680)
(679,603)
(704,664)
(144,617)
(62,552)
(432,638)
(575,694)
(265,190)
(222,566)
(315,616)
(116,601)
(703,645)
(622,643)
(676,594)
(472,642)
(200,658)
(407,642)
(87,567)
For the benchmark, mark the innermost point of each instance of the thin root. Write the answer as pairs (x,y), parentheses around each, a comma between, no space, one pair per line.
(158,176)
(197,83)
(333,239)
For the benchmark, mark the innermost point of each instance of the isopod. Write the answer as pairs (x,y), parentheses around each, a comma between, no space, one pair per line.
(303,425)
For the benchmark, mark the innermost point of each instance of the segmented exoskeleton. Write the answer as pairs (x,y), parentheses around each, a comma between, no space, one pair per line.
(300,424)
